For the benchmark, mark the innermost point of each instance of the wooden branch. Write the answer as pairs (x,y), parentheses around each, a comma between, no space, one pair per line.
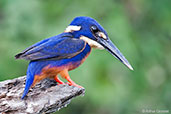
(45,97)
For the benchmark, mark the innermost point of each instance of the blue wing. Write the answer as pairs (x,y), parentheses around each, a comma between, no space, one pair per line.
(57,47)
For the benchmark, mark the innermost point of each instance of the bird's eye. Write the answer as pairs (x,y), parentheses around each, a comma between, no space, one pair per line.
(97,33)
(94,29)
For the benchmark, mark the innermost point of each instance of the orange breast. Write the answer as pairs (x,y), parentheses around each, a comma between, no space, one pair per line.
(47,72)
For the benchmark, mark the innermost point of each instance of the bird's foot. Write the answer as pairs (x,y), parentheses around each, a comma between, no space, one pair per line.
(58,81)
(61,83)
(74,84)
(64,74)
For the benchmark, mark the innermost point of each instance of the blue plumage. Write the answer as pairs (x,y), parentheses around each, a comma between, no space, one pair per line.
(35,67)
(57,47)
(86,23)
(66,51)
(29,80)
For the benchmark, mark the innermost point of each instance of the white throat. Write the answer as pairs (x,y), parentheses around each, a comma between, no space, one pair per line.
(92,43)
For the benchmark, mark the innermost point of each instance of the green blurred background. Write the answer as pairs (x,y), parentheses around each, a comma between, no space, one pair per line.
(141,29)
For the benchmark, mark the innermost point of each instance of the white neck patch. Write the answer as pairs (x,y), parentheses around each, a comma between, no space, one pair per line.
(92,43)
(72,28)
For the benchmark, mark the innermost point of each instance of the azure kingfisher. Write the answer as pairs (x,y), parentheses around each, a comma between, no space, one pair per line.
(66,51)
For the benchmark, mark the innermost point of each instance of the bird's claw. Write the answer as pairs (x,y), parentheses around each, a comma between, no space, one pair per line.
(74,84)
(61,83)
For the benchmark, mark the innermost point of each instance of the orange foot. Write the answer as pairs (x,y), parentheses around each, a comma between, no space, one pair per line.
(58,80)
(64,74)
(74,84)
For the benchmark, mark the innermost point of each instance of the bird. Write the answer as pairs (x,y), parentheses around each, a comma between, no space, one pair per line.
(59,54)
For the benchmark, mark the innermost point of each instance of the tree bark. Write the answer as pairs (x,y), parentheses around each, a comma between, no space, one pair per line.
(46,97)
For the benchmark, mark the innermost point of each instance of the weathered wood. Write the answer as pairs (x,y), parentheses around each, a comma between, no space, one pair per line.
(45,97)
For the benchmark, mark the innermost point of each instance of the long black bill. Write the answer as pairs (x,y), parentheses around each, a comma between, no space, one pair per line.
(109,46)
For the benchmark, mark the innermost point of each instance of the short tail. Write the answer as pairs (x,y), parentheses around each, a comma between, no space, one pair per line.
(29,81)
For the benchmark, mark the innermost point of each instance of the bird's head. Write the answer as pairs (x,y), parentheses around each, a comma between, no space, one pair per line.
(93,33)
